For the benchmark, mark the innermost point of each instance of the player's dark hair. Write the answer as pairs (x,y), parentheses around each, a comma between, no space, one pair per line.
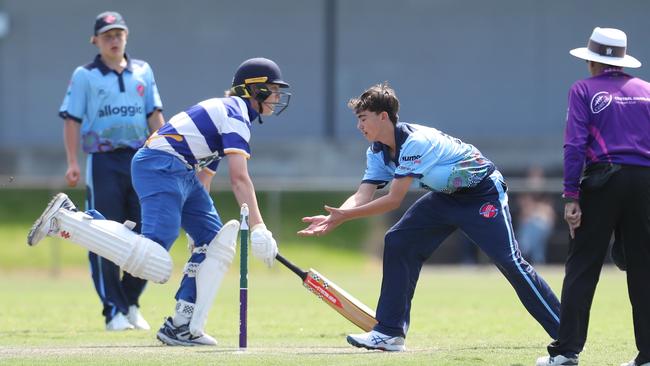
(378,98)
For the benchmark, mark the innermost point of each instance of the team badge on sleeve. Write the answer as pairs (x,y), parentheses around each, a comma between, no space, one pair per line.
(488,210)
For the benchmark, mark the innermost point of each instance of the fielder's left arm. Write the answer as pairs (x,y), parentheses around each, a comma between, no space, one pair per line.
(363,195)
(353,208)
(398,189)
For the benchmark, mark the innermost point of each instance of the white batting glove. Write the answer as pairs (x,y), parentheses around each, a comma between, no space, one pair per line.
(263,245)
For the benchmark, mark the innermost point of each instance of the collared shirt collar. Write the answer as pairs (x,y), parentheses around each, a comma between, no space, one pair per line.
(98,63)
(613,71)
(402,132)
(252,113)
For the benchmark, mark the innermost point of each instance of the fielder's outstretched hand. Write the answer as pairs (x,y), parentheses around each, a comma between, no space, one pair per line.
(321,224)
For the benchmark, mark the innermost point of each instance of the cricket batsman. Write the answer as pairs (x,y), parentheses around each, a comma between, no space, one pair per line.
(172,175)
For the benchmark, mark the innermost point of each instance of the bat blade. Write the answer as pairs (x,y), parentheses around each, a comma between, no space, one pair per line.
(341,301)
(334,296)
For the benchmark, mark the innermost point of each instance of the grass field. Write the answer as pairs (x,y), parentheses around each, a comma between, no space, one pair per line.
(50,314)
(461,316)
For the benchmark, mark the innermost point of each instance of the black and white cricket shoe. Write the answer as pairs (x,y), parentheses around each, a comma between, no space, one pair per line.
(44,224)
(172,335)
(375,340)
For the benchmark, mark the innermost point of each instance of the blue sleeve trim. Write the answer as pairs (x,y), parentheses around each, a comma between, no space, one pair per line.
(233,140)
(414,175)
(66,115)
(379,183)
(152,112)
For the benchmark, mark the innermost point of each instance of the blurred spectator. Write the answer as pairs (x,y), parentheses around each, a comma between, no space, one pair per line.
(536,218)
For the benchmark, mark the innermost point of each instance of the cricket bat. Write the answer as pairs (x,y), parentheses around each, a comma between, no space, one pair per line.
(334,296)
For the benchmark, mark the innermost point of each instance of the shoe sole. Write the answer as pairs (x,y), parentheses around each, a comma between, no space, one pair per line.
(49,209)
(571,363)
(120,330)
(175,342)
(171,342)
(354,342)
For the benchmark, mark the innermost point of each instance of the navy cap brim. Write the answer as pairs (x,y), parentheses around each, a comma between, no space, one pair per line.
(108,27)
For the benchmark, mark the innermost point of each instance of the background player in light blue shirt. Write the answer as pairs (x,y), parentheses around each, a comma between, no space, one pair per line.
(112,105)
(467,192)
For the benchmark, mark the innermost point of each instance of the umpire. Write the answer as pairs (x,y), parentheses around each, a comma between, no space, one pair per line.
(607,133)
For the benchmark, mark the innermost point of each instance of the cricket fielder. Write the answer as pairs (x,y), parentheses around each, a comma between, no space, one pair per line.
(172,176)
(467,192)
(111,105)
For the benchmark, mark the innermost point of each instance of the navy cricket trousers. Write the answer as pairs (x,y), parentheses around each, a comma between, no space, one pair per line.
(482,214)
(109,191)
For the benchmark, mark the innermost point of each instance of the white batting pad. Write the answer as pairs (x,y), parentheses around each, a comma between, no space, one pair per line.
(136,254)
(210,272)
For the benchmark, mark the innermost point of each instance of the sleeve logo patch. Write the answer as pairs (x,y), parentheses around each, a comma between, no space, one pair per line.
(488,210)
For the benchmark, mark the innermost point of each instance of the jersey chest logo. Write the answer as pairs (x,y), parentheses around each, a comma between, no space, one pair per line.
(600,101)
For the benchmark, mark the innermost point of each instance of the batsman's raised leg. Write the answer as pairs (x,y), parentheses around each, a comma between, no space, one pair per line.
(136,254)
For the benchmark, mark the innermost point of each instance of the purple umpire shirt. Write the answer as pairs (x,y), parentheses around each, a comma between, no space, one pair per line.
(608,121)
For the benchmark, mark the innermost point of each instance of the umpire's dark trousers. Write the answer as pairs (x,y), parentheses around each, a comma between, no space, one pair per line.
(624,202)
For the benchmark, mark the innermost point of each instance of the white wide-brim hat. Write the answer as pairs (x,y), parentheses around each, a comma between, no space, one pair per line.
(607,46)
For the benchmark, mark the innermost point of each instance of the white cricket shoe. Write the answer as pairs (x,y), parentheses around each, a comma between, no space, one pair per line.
(119,322)
(558,360)
(633,363)
(376,340)
(172,335)
(43,225)
(136,319)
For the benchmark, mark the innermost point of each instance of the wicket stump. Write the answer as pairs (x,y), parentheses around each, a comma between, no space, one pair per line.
(243,276)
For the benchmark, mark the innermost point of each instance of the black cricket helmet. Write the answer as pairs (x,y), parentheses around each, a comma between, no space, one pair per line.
(252,78)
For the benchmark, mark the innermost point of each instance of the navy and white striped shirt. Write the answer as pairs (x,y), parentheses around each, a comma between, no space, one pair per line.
(207,131)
